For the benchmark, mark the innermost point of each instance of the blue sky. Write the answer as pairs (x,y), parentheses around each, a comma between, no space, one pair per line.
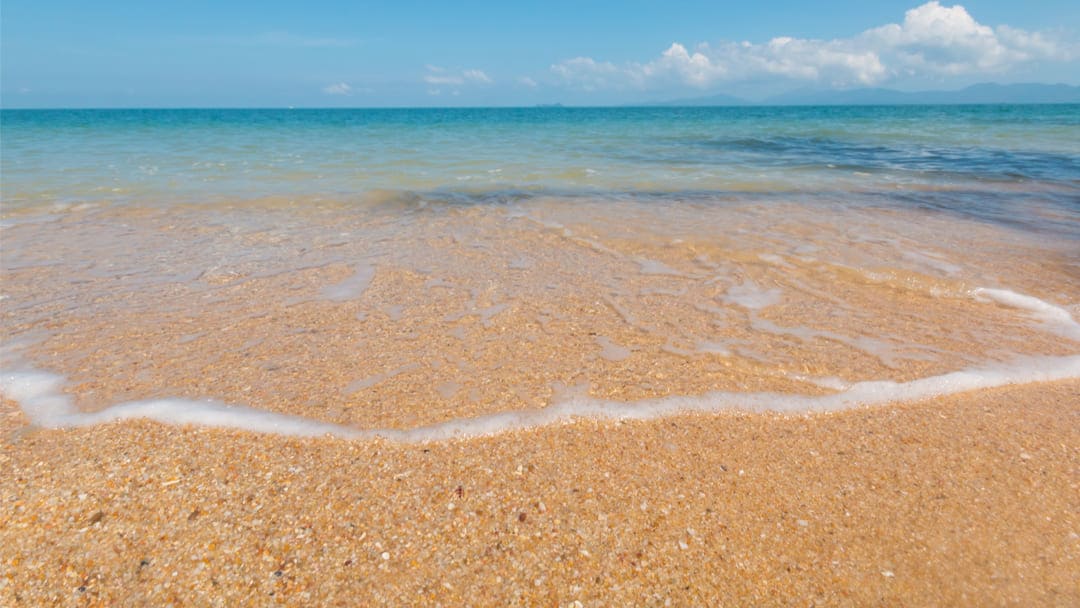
(268,54)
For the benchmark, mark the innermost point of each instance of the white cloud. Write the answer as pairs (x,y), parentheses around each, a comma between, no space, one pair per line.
(694,68)
(590,74)
(529,82)
(339,88)
(437,79)
(441,76)
(476,76)
(947,40)
(933,40)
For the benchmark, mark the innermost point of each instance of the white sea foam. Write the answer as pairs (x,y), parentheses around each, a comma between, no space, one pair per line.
(41,397)
(649,266)
(1054,318)
(1034,369)
(750,295)
(881,350)
(351,287)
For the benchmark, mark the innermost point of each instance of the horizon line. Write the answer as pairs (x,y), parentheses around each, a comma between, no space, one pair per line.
(686,102)
(552,106)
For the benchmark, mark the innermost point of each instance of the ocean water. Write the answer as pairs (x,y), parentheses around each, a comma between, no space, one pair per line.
(197,155)
(421,273)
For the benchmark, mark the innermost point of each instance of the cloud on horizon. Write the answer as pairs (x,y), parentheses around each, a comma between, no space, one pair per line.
(339,88)
(441,76)
(932,41)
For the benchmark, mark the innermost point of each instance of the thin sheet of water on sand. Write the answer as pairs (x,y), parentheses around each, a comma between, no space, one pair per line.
(349,320)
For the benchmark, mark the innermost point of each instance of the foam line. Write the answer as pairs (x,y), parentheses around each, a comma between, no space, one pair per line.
(41,397)
(1033,369)
(1055,318)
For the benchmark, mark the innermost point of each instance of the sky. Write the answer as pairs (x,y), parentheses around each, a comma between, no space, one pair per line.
(491,53)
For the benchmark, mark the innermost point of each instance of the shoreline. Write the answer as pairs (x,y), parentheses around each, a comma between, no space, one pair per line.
(43,401)
(967,499)
(410,318)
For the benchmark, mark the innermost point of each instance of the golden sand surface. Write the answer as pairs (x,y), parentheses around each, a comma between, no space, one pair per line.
(970,500)
(403,317)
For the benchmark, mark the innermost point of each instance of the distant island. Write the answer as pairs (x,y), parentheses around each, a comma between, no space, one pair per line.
(984,93)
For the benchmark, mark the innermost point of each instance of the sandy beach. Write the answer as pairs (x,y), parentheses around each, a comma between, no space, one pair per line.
(967,500)
(420,349)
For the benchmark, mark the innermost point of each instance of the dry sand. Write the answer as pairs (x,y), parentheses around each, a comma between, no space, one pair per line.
(968,500)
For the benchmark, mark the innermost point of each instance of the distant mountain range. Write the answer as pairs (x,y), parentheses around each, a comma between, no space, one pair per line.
(986,93)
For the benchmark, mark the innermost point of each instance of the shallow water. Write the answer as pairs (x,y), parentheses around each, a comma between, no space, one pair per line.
(466,271)
(200,155)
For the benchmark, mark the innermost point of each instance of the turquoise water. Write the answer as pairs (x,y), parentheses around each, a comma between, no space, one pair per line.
(165,156)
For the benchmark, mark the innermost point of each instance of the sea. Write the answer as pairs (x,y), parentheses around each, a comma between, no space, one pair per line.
(424,274)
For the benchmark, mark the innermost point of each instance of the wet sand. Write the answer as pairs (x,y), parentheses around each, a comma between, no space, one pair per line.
(401,318)
(966,500)
(395,319)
